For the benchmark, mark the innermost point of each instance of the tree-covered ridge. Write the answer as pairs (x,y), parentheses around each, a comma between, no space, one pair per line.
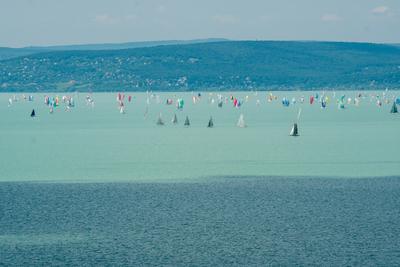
(8,53)
(231,65)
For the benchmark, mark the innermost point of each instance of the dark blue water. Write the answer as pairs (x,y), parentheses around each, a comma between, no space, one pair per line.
(231,221)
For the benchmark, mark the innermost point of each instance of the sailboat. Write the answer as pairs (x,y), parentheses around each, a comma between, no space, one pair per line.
(33,114)
(210,123)
(394,108)
(175,119)
(160,121)
(341,102)
(241,122)
(294,131)
(187,122)
(179,104)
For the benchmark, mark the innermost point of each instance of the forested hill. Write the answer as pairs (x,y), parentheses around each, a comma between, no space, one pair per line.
(8,52)
(227,65)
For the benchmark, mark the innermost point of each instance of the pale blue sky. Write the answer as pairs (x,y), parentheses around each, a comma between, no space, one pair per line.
(52,22)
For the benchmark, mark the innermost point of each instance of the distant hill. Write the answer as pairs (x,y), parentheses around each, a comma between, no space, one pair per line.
(7,53)
(228,65)
(115,46)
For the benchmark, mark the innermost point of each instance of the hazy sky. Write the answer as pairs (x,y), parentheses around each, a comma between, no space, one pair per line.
(51,22)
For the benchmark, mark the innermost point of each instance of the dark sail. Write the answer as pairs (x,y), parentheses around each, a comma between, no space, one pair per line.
(33,114)
(210,123)
(394,108)
(187,122)
(160,121)
(294,131)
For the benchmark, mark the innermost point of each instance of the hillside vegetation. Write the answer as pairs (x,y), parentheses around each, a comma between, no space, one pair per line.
(227,65)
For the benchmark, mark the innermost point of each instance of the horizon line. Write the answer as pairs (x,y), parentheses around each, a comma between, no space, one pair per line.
(199,40)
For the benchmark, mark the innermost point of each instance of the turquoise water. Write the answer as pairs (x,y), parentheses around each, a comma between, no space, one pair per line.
(94,187)
(99,144)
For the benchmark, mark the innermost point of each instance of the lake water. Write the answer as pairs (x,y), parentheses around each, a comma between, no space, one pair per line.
(95,187)
(242,221)
(100,144)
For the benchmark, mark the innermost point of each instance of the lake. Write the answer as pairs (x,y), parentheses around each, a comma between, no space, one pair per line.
(94,187)
(99,144)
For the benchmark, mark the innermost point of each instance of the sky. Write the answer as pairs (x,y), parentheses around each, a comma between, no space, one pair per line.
(64,22)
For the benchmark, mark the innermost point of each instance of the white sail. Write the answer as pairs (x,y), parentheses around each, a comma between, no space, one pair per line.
(174,119)
(292,131)
(241,122)
(298,115)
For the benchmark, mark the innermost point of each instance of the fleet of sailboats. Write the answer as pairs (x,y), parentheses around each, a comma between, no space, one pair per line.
(219,100)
